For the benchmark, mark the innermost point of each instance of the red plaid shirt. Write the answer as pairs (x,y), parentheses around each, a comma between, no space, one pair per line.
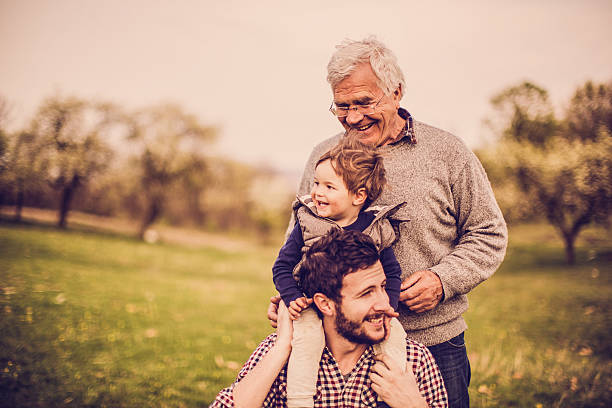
(332,388)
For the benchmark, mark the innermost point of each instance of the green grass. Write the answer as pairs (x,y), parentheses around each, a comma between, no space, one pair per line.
(539,330)
(92,320)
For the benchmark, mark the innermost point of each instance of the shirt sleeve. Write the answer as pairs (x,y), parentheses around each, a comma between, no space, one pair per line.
(393,272)
(481,229)
(282,270)
(428,376)
(225,398)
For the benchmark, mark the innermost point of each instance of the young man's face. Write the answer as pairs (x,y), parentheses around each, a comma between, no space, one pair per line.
(331,197)
(361,88)
(361,312)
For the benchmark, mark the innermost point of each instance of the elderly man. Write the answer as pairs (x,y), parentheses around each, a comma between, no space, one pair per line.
(343,275)
(452,233)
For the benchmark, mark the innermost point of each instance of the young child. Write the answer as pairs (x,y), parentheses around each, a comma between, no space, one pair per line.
(347,179)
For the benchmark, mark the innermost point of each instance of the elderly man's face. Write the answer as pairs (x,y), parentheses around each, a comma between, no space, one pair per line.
(361,87)
(360,315)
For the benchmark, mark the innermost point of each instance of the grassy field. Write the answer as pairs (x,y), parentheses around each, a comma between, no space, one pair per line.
(93,320)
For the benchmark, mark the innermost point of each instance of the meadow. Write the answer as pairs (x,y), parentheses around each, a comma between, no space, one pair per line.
(93,319)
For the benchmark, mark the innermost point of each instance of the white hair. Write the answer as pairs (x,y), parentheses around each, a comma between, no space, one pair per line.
(349,54)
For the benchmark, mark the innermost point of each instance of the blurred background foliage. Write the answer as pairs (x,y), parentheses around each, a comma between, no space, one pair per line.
(154,165)
(556,167)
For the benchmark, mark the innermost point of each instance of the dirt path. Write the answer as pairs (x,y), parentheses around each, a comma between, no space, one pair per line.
(183,236)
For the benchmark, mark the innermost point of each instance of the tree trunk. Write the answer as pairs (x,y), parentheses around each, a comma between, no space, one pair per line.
(570,252)
(67,194)
(195,207)
(151,215)
(570,236)
(19,204)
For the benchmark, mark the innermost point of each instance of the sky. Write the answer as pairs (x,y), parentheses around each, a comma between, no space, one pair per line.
(257,69)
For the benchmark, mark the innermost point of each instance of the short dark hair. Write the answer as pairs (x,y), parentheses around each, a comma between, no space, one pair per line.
(333,256)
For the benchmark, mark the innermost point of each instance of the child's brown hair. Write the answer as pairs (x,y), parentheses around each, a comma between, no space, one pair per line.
(359,165)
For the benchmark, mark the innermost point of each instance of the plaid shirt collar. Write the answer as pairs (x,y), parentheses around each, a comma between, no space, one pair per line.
(367,357)
(334,390)
(354,390)
(407,133)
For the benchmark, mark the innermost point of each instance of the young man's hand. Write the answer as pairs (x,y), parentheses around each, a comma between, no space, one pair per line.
(296,306)
(284,331)
(273,310)
(396,388)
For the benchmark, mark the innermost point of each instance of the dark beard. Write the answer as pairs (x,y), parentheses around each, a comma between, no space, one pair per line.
(350,330)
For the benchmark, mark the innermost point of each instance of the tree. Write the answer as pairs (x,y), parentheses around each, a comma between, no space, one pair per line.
(69,131)
(590,111)
(3,152)
(4,142)
(170,147)
(24,167)
(565,167)
(527,114)
(20,167)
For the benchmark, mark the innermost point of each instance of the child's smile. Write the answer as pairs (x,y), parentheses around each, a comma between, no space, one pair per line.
(332,198)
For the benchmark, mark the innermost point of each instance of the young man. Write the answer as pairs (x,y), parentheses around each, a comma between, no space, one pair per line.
(456,237)
(343,275)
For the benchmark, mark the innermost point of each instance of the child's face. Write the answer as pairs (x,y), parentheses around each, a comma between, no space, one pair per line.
(332,198)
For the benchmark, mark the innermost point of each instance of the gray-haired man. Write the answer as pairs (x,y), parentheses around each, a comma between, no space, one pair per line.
(452,233)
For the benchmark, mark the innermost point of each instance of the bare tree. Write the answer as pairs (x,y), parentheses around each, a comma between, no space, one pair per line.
(69,131)
(170,147)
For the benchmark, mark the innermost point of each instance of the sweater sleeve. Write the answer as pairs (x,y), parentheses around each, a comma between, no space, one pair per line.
(393,273)
(482,233)
(282,270)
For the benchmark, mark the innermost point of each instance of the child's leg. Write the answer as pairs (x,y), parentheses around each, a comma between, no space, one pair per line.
(395,345)
(303,368)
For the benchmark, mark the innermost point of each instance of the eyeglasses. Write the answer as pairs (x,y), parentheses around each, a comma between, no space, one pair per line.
(364,109)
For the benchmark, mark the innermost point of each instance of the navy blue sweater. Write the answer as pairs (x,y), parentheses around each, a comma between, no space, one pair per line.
(291,254)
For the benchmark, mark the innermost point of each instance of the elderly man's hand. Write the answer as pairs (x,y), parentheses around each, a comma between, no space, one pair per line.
(396,388)
(421,291)
(273,310)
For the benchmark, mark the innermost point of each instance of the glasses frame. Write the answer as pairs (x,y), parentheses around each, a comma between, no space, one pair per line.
(334,109)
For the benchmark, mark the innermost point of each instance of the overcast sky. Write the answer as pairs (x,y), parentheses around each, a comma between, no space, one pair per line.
(256,69)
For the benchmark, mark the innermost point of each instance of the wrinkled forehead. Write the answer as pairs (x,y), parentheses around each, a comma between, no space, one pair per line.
(362,85)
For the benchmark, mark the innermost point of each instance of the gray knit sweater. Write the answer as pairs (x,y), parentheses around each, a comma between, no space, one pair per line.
(453,225)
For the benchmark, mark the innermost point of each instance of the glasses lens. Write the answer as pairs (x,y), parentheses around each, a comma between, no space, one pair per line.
(365,109)
(362,109)
(339,112)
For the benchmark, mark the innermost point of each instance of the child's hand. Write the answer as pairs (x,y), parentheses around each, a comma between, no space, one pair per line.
(297,305)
